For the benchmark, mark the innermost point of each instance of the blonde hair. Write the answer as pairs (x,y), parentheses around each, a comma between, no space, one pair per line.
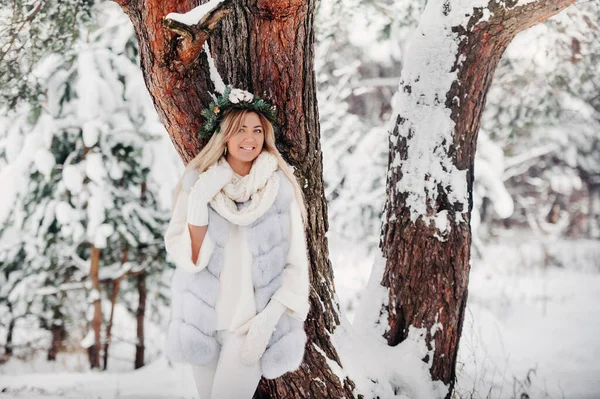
(230,123)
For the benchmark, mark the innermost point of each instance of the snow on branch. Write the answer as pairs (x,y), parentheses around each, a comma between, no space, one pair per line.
(195,15)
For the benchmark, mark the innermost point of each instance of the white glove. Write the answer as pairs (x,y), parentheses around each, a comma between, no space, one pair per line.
(259,328)
(209,183)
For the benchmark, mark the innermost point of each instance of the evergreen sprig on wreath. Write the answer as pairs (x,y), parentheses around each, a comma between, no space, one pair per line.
(234,99)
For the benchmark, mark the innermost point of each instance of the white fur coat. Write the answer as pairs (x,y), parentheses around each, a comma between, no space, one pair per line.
(237,300)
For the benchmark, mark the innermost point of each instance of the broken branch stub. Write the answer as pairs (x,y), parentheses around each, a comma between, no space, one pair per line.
(188,42)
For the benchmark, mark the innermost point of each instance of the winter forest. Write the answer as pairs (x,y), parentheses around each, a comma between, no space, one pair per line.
(450,155)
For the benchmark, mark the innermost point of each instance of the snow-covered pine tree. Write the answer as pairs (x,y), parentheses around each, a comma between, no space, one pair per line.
(543,111)
(30,30)
(89,215)
(358,55)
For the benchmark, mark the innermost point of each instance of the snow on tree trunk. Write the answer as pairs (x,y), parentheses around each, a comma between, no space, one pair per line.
(425,236)
(267,48)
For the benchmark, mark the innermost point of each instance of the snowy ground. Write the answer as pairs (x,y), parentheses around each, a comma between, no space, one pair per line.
(155,381)
(528,329)
(533,329)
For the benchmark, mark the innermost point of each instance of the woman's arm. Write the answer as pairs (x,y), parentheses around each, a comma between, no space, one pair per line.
(197,234)
(295,286)
(190,247)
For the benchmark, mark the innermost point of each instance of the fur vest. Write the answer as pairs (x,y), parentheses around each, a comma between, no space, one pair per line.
(191,335)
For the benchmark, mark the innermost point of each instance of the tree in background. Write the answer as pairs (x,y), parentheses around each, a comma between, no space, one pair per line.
(88,219)
(29,31)
(543,113)
(358,56)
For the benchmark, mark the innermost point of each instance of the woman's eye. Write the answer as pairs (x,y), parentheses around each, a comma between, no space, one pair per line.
(258,130)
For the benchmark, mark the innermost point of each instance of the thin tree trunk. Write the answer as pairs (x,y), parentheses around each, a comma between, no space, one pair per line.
(591,217)
(140,317)
(8,347)
(58,334)
(116,284)
(427,249)
(94,351)
(113,301)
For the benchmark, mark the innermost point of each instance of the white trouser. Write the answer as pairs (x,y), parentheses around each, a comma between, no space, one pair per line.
(226,377)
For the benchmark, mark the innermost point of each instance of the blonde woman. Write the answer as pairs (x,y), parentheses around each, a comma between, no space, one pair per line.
(240,292)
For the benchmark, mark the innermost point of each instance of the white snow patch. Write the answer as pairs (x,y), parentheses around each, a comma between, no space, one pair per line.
(44,161)
(102,233)
(94,167)
(195,15)
(91,132)
(64,213)
(379,370)
(441,221)
(428,129)
(214,73)
(72,178)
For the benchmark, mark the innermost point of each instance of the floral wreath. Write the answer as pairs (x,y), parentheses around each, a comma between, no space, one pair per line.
(233,98)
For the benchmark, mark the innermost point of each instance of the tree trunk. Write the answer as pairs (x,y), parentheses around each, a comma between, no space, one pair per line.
(591,216)
(426,235)
(94,351)
(113,301)
(116,285)
(140,316)
(8,347)
(58,334)
(267,48)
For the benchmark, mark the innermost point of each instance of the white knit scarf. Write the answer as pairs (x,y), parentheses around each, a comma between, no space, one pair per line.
(260,187)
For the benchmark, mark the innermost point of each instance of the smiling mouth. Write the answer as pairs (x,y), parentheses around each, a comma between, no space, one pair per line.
(249,148)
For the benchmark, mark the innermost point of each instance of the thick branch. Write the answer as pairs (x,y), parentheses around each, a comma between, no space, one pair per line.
(192,37)
(533,13)
(127,5)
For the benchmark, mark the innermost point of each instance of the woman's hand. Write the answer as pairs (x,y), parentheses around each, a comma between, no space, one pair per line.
(260,328)
(243,329)
(209,183)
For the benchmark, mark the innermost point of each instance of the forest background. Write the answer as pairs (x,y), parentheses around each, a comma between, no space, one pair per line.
(531,324)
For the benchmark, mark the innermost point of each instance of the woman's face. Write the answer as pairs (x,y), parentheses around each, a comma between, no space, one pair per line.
(247,143)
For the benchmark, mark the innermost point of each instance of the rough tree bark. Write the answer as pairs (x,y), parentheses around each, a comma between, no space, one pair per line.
(427,277)
(266,47)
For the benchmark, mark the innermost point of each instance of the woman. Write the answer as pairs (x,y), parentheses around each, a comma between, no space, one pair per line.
(241,286)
